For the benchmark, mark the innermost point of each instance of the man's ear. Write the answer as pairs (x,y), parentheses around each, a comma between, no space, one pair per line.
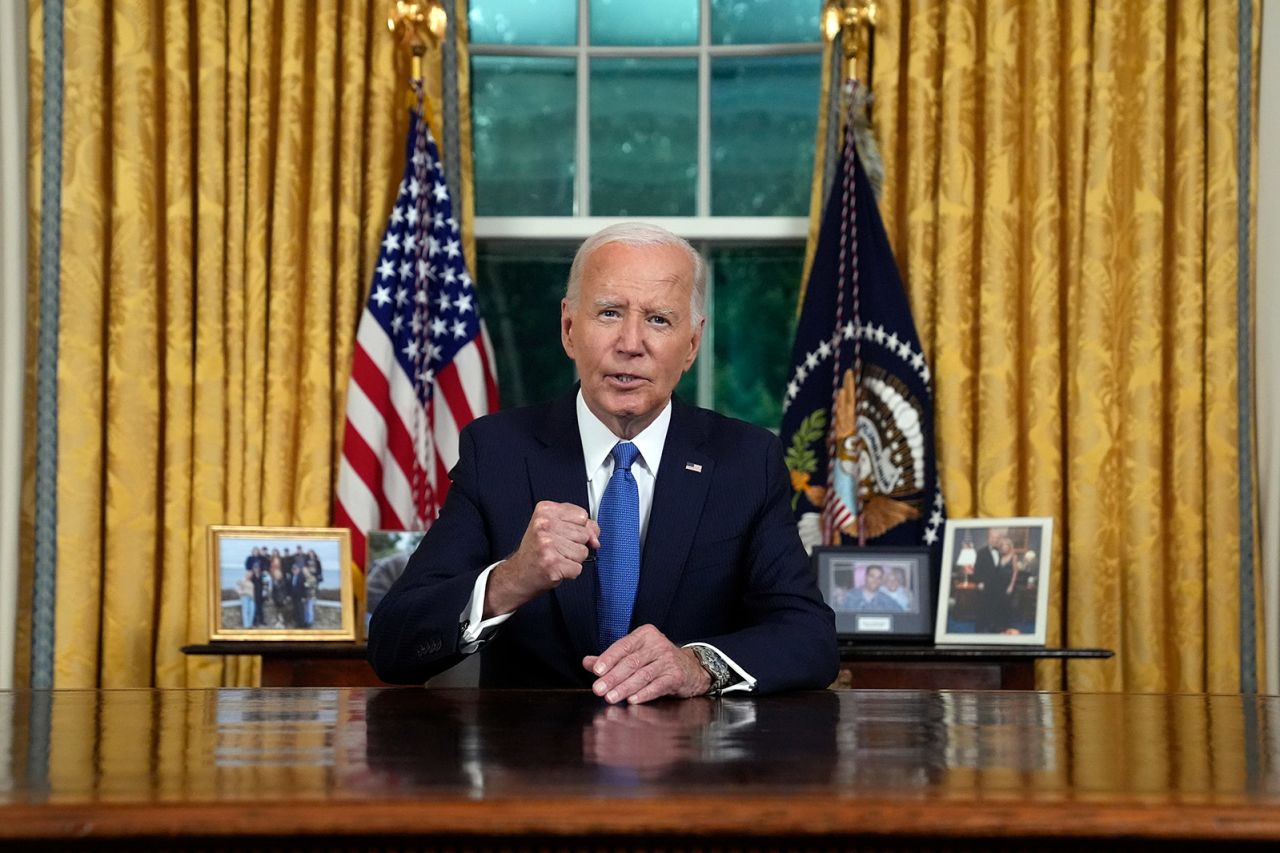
(696,344)
(566,324)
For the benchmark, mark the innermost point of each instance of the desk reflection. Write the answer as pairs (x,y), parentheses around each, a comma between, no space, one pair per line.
(273,745)
(492,744)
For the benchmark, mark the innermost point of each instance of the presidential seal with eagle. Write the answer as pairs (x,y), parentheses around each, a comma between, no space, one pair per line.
(878,449)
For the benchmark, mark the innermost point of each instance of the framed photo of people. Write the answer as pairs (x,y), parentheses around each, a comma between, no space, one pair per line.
(387,554)
(280,583)
(995,581)
(877,593)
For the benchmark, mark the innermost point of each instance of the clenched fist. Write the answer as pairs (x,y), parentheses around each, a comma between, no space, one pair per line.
(554,546)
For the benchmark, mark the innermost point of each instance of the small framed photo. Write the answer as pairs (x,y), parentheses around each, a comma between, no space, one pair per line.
(280,583)
(995,581)
(877,593)
(387,554)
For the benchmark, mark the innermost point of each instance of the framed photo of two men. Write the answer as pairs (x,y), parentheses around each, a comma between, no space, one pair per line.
(280,583)
(877,594)
(995,581)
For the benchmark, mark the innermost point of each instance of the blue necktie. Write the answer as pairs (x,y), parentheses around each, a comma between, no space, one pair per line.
(618,560)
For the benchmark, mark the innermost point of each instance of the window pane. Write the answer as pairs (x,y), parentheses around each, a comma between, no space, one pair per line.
(520,287)
(523,22)
(615,22)
(523,113)
(644,137)
(755,307)
(763,121)
(765,21)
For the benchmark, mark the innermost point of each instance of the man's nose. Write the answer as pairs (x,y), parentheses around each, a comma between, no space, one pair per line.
(631,336)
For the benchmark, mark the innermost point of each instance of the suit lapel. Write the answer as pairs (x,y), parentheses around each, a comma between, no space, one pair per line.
(556,473)
(678,496)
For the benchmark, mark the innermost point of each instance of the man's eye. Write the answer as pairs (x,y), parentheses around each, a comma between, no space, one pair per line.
(608,312)
(660,320)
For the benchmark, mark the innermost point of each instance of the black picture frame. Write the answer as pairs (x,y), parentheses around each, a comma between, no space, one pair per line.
(904,613)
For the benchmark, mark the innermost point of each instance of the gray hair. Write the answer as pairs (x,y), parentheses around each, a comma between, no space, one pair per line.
(641,234)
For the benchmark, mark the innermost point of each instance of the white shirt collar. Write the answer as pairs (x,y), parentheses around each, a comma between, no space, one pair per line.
(598,440)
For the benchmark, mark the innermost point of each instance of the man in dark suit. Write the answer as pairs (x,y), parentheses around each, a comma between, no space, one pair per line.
(985,575)
(616,538)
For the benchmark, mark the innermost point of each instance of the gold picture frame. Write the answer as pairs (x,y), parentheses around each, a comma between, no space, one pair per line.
(280,583)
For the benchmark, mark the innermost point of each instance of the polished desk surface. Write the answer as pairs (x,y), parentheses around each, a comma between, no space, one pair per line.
(409,761)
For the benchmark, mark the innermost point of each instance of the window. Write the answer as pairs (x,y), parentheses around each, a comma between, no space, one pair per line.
(698,114)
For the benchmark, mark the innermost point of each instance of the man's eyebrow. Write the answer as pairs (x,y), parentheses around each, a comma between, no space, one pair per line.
(662,310)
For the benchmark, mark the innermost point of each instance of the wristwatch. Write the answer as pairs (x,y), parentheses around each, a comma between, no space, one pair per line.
(721,675)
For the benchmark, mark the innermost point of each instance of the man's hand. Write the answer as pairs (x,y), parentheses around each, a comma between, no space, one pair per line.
(554,545)
(645,665)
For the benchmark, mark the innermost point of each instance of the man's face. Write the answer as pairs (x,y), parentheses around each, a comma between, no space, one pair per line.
(631,334)
(872,581)
(891,583)
(994,535)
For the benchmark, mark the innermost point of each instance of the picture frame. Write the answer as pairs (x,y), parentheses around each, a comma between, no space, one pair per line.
(894,604)
(280,583)
(995,581)
(387,552)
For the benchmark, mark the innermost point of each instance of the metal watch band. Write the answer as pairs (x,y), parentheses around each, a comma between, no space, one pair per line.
(721,675)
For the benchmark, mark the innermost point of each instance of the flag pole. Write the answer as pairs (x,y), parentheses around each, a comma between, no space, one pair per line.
(851,21)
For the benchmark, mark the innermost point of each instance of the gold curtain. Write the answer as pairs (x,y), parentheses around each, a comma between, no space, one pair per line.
(227,169)
(1061,194)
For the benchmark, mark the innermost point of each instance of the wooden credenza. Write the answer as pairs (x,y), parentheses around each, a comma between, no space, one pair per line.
(292,664)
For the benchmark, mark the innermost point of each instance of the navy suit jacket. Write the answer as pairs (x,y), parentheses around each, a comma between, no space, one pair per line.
(722,560)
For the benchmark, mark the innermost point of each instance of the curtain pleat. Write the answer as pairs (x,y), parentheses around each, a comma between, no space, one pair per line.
(227,170)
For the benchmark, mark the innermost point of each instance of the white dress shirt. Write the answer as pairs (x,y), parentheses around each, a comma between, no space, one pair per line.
(597,446)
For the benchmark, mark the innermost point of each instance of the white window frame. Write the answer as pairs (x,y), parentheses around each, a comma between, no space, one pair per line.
(700,227)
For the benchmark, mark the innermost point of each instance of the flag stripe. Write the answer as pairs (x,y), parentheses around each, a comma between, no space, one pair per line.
(356,497)
(392,493)
(388,433)
(447,418)
(470,370)
(490,375)
(399,393)
(380,427)
(358,548)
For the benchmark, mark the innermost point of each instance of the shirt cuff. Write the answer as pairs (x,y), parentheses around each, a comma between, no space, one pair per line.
(476,630)
(744,684)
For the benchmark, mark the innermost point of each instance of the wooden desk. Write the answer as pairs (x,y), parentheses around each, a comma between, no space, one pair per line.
(481,770)
(884,666)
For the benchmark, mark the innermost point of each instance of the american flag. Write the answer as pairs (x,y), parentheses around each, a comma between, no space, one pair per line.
(423,365)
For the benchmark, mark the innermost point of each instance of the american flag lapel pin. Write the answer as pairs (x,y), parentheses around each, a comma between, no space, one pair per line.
(693,466)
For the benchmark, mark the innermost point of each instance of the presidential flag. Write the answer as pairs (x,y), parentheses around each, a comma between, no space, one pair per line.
(423,366)
(857,418)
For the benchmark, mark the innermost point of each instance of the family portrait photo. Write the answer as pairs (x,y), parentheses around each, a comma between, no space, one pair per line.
(876,591)
(995,581)
(286,583)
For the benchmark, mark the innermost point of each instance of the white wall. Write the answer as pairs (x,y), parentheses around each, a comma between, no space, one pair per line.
(13,254)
